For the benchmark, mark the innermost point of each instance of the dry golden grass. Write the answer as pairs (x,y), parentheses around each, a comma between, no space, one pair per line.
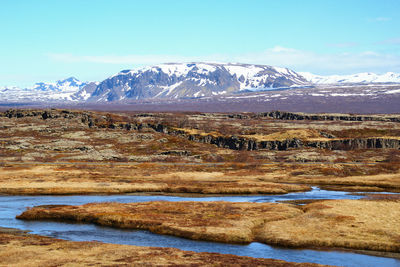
(196,132)
(377,183)
(229,178)
(302,134)
(212,221)
(147,177)
(232,178)
(31,250)
(353,224)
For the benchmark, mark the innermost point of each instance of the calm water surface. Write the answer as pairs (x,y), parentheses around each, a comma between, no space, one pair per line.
(10,206)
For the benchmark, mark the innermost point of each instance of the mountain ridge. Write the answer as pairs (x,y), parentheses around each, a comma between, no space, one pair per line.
(196,79)
(185,80)
(69,89)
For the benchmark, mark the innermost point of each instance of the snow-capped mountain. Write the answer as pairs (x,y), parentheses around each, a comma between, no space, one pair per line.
(70,89)
(85,91)
(191,80)
(359,78)
(67,85)
(202,80)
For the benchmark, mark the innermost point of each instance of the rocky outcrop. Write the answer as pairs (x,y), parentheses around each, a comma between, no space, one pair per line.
(231,142)
(241,143)
(44,114)
(356,143)
(282,115)
(176,153)
(15,113)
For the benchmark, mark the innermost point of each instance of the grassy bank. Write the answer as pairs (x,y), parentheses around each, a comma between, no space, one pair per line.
(351,224)
(354,224)
(149,177)
(228,178)
(212,221)
(19,249)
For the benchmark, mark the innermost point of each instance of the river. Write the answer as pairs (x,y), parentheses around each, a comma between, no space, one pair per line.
(10,206)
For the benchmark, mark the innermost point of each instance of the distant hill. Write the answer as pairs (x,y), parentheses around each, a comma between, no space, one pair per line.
(70,89)
(181,80)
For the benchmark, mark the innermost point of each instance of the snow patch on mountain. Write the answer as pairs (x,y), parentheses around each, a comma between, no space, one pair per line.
(246,75)
(167,90)
(395,91)
(359,78)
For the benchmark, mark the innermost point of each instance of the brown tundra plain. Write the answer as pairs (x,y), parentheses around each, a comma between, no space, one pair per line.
(74,152)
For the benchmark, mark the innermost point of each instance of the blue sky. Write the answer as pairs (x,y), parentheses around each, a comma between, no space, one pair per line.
(47,40)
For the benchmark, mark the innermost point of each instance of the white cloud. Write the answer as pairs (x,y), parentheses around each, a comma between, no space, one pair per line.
(299,60)
(319,63)
(280,49)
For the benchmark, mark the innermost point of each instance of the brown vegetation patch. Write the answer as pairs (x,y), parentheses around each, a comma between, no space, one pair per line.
(353,224)
(391,197)
(110,138)
(302,134)
(69,135)
(349,224)
(383,177)
(213,221)
(32,250)
(145,177)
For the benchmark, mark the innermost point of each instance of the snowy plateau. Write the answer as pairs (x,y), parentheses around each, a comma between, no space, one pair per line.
(359,78)
(173,81)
